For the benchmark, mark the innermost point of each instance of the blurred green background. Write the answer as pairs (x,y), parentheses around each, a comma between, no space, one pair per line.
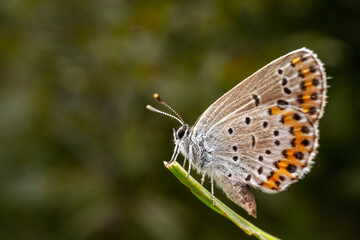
(81,157)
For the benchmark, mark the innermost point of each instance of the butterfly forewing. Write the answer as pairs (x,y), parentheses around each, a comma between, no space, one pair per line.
(296,79)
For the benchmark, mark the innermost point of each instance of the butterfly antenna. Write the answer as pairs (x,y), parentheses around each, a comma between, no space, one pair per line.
(157,97)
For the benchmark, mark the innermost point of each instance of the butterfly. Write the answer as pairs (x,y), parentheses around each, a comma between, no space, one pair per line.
(263,133)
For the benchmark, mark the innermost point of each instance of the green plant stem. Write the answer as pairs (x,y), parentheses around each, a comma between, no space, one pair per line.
(205,196)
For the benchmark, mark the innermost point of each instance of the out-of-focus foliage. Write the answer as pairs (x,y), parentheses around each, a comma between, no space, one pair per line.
(81,157)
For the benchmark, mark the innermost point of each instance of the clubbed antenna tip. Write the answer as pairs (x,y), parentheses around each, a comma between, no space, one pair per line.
(157,97)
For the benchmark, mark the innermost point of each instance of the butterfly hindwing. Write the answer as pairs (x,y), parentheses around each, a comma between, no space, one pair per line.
(267,148)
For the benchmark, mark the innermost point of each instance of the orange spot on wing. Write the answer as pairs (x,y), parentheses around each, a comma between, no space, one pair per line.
(305,109)
(296,60)
(270,185)
(305,71)
(289,119)
(298,146)
(271,182)
(282,164)
(305,97)
(276,110)
(284,171)
(282,168)
(294,160)
(308,83)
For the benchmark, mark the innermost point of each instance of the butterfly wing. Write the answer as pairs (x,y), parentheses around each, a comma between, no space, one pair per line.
(270,151)
(297,78)
(264,131)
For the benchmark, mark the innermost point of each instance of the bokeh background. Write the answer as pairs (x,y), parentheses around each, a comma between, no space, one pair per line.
(81,157)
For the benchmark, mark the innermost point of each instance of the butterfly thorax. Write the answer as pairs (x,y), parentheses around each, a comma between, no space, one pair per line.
(190,148)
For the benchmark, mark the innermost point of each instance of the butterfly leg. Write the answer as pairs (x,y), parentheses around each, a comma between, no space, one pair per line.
(212,185)
(191,156)
(175,154)
(203,178)
(184,162)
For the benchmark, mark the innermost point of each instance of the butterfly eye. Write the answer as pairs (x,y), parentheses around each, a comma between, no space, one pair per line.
(181,133)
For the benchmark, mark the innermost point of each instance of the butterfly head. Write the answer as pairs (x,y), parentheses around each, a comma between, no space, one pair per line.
(181,133)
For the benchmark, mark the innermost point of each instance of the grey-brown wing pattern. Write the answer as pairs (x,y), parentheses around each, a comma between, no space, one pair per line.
(264,131)
(267,147)
(297,79)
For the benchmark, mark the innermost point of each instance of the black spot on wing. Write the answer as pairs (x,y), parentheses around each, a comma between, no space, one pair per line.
(256,99)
